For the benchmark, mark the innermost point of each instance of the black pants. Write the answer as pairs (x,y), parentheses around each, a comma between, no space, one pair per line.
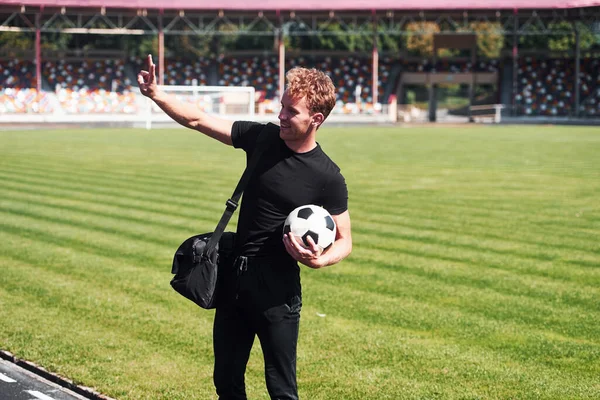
(267,304)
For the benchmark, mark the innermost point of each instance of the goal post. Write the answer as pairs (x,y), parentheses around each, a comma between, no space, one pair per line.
(226,101)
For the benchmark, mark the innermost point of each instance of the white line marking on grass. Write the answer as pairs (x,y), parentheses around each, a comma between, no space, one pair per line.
(6,379)
(39,395)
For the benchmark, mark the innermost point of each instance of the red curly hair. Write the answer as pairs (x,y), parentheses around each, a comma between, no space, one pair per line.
(315,86)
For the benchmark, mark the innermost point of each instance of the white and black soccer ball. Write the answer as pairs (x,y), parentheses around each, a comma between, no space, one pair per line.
(313,221)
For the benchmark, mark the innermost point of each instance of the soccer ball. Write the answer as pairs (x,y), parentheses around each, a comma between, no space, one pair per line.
(313,221)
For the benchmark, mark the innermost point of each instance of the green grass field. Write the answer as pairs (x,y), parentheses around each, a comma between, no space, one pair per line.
(475,272)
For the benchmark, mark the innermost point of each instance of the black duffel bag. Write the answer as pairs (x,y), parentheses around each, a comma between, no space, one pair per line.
(203,262)
(202,274)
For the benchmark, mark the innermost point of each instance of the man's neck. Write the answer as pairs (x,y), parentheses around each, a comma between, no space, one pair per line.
(303,144)
(301,147)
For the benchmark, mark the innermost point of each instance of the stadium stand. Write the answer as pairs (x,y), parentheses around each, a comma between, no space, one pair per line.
(447,65)
(20,101)
(187,72)
(546,87)
(590,87)
(83,82)
(18,93)
(262,72)
(17,74)
(181,71)
(91,86)
(353,78)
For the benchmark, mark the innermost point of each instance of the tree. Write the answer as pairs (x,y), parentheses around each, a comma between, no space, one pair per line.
(562,38)
(532,38)
(388,43)
(16,40)
(141,46)
(258,40)
(337,37)
(420,39)
(490,40)
(57,40)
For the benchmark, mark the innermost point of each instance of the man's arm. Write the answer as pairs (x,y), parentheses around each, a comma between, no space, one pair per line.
(313,256)
(182,113)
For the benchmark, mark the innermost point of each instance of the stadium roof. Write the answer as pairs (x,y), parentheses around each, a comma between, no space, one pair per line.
(310,5)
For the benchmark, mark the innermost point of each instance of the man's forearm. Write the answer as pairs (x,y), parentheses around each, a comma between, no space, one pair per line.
(191,117)
(182,113)
(339,250)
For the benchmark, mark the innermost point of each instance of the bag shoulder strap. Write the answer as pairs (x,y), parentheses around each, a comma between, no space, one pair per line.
(232,203)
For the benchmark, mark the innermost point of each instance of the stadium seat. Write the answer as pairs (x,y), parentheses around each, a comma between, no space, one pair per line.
(590,87)
(17,101)
(261,72)
(17,74)
(187,72)
(18,93)
(545,87)
(91,86)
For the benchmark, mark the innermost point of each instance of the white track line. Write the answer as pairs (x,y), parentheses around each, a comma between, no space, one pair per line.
(6,379)
(39,395)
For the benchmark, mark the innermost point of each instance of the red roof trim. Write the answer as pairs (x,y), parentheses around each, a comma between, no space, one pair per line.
(311,5)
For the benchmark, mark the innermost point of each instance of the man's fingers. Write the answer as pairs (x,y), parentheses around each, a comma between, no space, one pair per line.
(298,243)
(142,77)
(149,76)
(287,243)
(146,79)
(152,74)
(313,246)
(311,249)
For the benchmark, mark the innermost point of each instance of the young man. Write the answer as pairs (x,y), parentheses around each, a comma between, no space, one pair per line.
(293,171)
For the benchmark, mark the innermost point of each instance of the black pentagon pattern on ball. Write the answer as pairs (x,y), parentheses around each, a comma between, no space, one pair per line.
(313,235)
(287,229)
(305,213)
(329,224)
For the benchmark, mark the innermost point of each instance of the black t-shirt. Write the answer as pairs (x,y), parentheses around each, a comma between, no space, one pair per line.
(282,181)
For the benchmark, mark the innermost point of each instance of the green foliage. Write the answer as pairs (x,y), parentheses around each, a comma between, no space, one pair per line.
(420,39)
(564,39)
(144,45)
(490,41)
(16,40)
(335,36)
(474,273)
(57,41)
(561,38)
(257,40)
(389,43)
(229,34)
(295,35)
(532,39)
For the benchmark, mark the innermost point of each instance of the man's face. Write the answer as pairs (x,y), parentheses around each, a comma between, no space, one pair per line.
(294,118)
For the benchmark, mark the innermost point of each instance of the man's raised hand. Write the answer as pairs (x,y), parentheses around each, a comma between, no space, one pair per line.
(147,79)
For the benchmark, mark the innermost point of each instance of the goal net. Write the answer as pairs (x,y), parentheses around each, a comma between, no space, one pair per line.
(236,102)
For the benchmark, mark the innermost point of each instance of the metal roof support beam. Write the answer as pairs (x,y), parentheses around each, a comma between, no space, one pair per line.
(184,22)
(515,60)
(38,50)
(577,69)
